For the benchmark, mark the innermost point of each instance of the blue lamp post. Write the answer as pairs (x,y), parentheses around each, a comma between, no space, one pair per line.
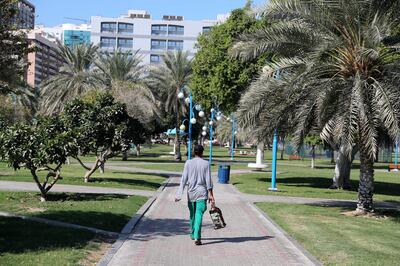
(274,155)
(192,119)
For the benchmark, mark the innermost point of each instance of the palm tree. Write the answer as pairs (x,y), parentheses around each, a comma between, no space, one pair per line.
(339,72)
(124,75)
(169,78)
(74,78)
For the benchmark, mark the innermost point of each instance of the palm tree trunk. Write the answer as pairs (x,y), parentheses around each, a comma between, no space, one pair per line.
(366,185)
(313,157)
(283,147)
(342,170)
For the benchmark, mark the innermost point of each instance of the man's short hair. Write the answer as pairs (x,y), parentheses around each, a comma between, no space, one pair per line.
(198,150)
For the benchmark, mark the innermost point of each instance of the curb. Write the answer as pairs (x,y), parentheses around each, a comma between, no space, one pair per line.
(130,226)
(291,239)
(60,224)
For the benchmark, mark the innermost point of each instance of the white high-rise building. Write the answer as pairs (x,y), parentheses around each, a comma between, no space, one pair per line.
(138,31)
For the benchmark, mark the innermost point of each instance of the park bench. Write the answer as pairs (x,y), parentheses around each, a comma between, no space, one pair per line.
(393,167)
(294,157)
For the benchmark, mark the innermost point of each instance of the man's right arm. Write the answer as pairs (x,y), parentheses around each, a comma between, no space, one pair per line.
(182,185)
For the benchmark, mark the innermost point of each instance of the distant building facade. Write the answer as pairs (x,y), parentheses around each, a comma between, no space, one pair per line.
(67,34)
(138,31)
(44,62)
(25,18)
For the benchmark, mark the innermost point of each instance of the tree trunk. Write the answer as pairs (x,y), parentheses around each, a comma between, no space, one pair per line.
(313,157)
(101,166)
(283,147)
(342,170)
(332,156)
(41,188)
(92,170)
(341,177)
(125,156)
(260,153)
(366,184)
(138,150)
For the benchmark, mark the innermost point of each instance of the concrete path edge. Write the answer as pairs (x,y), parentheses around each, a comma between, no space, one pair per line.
(130,226)
(291,239)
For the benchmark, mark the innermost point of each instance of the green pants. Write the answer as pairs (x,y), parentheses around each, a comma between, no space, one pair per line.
(196,210)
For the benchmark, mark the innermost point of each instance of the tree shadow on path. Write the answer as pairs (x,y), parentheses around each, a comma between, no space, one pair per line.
(234,239)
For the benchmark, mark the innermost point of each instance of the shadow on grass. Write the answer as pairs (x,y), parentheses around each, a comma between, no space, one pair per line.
(83,197)
(141,173)
(382,188)
(379,212)
(125,181)
(20,237)
(97,219)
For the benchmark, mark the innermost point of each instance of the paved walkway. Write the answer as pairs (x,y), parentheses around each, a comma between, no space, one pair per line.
(161,237)
(31,186)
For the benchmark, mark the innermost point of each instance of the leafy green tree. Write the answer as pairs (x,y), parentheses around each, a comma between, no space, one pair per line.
(42,147)
(101,127)
(215,73)
(336,71)
(75,78)
(14,47)
(168,79)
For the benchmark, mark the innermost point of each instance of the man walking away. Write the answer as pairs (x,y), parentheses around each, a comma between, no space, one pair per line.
(197,175)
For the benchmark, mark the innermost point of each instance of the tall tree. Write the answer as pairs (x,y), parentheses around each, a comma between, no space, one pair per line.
(102,127)
(123,74)
(75,78)
(341,70)
(14,47)
(169,78)
(40,148)
(215,73)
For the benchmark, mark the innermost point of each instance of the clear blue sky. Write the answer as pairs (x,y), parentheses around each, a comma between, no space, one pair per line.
(53,12)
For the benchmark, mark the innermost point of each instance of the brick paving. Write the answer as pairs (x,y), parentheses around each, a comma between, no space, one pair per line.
(162,236)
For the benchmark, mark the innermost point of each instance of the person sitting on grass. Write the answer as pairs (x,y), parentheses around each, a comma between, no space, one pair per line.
(197,175)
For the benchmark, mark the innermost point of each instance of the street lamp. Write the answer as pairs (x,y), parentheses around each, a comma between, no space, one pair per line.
(192,119)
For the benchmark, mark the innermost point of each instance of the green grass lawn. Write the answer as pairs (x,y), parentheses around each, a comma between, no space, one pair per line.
(305,182)
(30,243)
(73,175)
(337,239)
(107,212)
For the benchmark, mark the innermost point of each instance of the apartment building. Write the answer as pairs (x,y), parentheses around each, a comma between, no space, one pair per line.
(25,17)
(44,62)
(152,37)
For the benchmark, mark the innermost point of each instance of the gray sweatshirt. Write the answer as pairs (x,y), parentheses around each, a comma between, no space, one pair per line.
(197,175)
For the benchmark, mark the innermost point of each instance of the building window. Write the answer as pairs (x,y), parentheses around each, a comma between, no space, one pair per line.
(125,43)
(125,28)
(159,29)
(108,27)
(175,45)
(175,30)
(155,58)
(107,42)
(158,44)
(206,29)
